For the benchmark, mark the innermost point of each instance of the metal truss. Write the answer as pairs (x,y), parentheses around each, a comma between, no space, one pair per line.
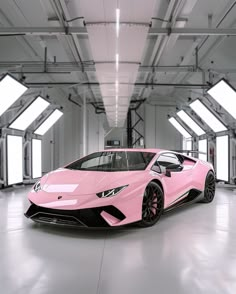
(96,84)
(55,67)
(37,67)
(8,31)
(132,128)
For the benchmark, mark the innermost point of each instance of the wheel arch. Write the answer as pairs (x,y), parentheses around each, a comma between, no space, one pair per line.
(211,170)
(143,223)
(160,184)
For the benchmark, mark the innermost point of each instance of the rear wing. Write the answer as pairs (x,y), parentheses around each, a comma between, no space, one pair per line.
(188,152)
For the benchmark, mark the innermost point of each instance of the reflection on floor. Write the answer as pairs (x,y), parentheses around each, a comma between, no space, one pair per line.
(191,250)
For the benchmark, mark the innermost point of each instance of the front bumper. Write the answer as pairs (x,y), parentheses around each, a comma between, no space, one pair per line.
(88,217)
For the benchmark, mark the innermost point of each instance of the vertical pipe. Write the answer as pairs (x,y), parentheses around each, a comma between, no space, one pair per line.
(196,59)
(129,129)
(2,168)
(84,124)
(52,148)
(27,159)
(4,153)
(31,158)
(45,58)
(122,139)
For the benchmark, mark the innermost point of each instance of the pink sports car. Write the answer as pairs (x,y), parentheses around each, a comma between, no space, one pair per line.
(120,186)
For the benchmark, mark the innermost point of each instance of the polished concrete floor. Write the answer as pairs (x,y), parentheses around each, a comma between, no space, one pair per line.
(192,250)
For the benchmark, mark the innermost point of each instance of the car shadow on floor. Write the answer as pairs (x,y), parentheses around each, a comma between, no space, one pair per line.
(87,233)
(112,232)
(182,209)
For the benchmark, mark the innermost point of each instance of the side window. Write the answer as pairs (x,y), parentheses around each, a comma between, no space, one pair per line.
(168,158)
(90,163)
(136,161)
(156,168)
(139,160)
(120,162)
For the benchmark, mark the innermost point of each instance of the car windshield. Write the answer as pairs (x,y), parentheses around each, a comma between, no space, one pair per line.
(113,161)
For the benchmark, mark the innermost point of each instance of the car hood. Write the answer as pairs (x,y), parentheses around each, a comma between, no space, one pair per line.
(78,182)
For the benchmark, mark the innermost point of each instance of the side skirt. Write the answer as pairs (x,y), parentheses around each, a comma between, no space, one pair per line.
(192,197)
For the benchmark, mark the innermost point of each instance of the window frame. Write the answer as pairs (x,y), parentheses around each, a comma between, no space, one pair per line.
(156,161)
(114,152)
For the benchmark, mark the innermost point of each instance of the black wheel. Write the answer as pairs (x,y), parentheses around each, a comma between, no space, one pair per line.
(153,203)
(210,187)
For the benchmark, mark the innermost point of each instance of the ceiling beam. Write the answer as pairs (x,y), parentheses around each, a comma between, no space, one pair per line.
(62,84)
(193,31)
(186,85)
(43,30)
(7,31)
(113,23)
(68,67)
(38,67)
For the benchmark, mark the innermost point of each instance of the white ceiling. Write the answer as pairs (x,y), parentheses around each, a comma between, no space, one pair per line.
(135,46)
(117,84)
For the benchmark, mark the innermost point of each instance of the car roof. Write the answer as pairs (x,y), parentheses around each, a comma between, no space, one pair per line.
(152,150)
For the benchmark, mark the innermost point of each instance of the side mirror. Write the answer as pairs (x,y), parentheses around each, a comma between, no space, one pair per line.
(168,173)
(173,168)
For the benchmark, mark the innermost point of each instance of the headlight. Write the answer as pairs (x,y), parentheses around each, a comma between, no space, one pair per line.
(111,192)
(37,187)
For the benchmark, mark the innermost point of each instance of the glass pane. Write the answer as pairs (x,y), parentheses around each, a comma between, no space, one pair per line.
(167,159)
(222,158)
(113,161)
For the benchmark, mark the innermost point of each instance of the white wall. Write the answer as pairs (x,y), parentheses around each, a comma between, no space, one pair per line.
(95,131)
(117,134)
(63,143)
(159,133)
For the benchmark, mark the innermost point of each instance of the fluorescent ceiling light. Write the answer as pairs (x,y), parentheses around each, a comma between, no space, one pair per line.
(190,122)
(117,85)
(209,118)
(48,123)
(178,126)
(29,114)
(14,159)
(117,62)
(117,22)
(222,158)
(10,91)
(225,95)
(36,158)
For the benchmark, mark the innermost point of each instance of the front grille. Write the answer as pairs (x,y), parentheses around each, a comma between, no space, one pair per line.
(89,217)
(57,219)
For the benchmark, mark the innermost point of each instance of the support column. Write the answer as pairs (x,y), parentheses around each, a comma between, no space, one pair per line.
(52,149)
(129,129)
(84,124)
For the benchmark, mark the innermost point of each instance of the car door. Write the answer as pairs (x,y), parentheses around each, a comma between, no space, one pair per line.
(178,184)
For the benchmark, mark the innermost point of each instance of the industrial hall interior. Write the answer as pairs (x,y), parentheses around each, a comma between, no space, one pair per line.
(117,146)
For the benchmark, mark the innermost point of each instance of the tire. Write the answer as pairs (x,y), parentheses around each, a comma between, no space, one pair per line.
(210,187)
(153,204)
